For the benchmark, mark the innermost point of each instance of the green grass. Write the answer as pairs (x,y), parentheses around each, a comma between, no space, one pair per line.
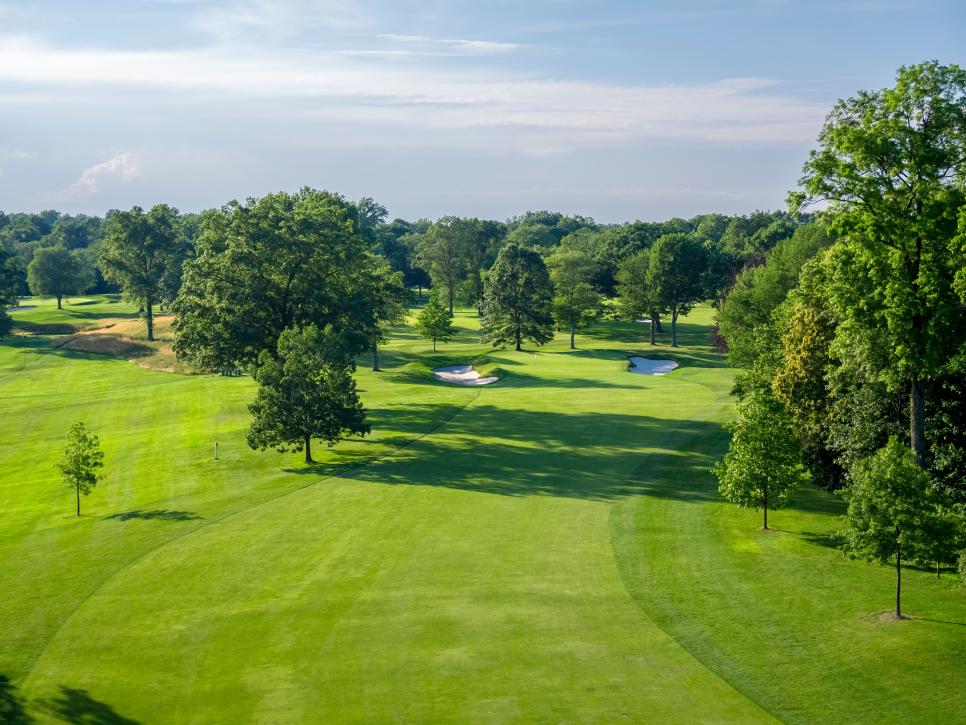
(548,548)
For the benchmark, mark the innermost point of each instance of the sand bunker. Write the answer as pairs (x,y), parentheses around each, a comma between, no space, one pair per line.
(646,366)
(21,307)
(462,375)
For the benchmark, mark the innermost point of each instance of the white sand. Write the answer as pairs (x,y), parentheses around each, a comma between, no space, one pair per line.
(22,307)
(462,375)
(644,320)
(646,366)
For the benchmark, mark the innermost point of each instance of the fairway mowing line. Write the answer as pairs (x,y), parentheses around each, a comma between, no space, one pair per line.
(335,474)
(619,518)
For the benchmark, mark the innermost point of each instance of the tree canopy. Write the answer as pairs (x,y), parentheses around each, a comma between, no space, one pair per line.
(305,391)
(890,167)
(675,276)
(575,303)
(139,252)
(79,461)
(57,272)
(280,261)
(433,321)
(892,508)
(762,467)
(519,299)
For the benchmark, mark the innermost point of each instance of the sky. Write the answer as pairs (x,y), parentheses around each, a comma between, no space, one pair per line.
(617,110)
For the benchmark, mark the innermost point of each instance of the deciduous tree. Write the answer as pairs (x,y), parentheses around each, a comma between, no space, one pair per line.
(138,252)
(519,299)
(284,260)
(57,272)
(676,274)
(79,461)
(8,289)
(762,467)
(892,508)
(575,303)
(433,321)
(386,297)
(443,253)
(305,391)
(635,297)
(890,167)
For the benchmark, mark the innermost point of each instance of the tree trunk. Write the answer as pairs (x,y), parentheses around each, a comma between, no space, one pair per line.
(764,506)
(77,491)
(308,449)
(573,332)
(898,581)
(434,344)
(660,327)
(654,324)
(518,348)
(149,316)
(59,297)
(452,294)
(674,326)
(419,294)
(917,434)
(375,357)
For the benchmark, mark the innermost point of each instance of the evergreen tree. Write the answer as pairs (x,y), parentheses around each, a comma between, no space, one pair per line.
(518,300)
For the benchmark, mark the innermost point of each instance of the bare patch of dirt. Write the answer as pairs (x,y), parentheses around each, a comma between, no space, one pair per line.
(890,616)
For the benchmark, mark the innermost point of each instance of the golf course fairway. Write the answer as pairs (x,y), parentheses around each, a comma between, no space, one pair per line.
(548,548)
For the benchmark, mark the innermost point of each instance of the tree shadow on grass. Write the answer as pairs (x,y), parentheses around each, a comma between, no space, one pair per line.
(514,452)
(828,540)
(13,710)
(77,706)
(941,621)
(811,499)
(155,514)
(683,356)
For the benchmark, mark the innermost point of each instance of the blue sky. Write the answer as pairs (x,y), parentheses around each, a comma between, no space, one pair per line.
(616,110)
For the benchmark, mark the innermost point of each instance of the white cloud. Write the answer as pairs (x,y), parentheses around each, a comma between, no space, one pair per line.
(459,44)
(557,114)
(121,166)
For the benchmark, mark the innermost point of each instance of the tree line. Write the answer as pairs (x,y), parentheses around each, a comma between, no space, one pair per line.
(53,255)
(851,338)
